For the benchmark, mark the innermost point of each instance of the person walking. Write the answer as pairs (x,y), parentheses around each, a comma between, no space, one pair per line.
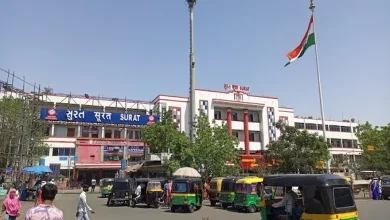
(46,210)
(93,184)
(82,206)
(12,205)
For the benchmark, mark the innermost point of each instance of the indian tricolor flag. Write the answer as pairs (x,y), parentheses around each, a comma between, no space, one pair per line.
(307,41)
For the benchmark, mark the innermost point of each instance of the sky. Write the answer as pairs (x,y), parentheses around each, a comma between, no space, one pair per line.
(139,49)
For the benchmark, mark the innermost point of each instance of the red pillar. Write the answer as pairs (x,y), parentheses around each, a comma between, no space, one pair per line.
(229,119)
(246,132)
(100,173)
(75,174)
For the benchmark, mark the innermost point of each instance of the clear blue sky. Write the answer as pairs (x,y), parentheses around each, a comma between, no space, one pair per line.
(139,49)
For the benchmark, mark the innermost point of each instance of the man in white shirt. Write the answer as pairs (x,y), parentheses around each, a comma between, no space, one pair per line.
(287,202)
(138,192)
(93,184)
(82,206)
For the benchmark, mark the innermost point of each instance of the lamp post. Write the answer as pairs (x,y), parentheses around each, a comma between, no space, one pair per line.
(191,4)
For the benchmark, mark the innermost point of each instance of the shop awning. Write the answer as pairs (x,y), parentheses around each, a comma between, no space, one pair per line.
(134,168)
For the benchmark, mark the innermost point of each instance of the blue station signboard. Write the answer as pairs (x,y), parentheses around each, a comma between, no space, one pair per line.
(66,115)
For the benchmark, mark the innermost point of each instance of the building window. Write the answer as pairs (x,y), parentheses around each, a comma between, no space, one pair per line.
(235,133)
(117,134)
(130,134)
(137,134)
(355,144)
(217,115)
(347,143)
(234,116)
(251,136)
(107,134)
(63,151)
(311,126)
(251,118)
(46,130)
(238,97)
(335,142)
(334,128)
(299,125)
(355,129)
(345,129)
(71,132)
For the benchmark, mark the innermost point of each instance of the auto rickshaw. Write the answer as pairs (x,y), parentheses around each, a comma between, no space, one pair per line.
(326,196)
(154,193)
(215,190)
(247,194)
(187,193)
(106,185)
(227,191)
(121,191)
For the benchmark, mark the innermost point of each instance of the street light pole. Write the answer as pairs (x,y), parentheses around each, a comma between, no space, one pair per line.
(191,4)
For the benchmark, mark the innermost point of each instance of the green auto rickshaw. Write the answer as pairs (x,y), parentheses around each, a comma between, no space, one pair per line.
(187,193)
(106,186)
(227,191)
(247,194)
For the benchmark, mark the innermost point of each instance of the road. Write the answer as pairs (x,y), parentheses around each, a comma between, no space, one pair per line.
(368,210)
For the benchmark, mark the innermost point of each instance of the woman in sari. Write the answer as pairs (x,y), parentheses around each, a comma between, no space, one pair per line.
(169,192)
(12,205)
(375,189)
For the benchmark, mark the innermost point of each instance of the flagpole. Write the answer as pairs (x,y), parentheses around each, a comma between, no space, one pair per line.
(319,83)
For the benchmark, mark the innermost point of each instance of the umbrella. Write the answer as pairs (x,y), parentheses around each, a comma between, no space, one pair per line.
(186,172)
(42,169)
(37,169)
(28,170)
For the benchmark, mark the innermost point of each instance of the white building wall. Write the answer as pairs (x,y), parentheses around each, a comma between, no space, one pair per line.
(56,142)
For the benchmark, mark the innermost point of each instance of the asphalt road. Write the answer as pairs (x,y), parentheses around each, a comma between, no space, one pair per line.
(368,210)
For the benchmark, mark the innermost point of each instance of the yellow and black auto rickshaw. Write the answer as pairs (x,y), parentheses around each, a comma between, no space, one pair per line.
(326,196)
(187,193)
(151,192)
(215,190)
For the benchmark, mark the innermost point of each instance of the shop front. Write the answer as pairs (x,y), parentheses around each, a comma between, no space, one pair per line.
(101,158)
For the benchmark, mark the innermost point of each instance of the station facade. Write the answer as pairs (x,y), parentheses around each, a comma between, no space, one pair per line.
(89,136)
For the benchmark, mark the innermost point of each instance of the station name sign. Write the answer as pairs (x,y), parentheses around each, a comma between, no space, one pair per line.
(236,88)
(67,115)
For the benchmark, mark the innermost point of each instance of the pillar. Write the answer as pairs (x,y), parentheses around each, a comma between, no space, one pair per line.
(100,174)
(229,119)
(246,132)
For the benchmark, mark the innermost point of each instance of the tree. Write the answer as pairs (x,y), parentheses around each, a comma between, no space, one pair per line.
(163,136)
(296,151)
(20,130)
(376,159)
(213,147)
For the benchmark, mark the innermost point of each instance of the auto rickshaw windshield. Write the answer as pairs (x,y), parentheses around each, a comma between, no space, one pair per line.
(154,185)
(213,185)
(107,183)
(227,186)
(245,188)
(120,185)
(179,187)
(386,181)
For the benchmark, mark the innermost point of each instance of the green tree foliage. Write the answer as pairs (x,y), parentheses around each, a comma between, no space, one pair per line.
(213,146)
(20,126)
(379,138)
(296,151)
(163,135)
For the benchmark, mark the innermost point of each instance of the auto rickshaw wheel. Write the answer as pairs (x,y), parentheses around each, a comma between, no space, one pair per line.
(156,205)
(213,202)
(173,208)
(191,208)
(225,205)
(252,209)
(148,205)
(198,207)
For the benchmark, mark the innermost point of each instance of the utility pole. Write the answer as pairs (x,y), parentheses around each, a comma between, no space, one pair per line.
(191,4)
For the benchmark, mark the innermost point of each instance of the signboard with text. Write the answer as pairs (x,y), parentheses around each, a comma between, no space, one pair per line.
(236,88)
(66,115)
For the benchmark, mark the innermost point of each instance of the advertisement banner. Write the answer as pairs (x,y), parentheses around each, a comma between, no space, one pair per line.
(66,115)
(113,153)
